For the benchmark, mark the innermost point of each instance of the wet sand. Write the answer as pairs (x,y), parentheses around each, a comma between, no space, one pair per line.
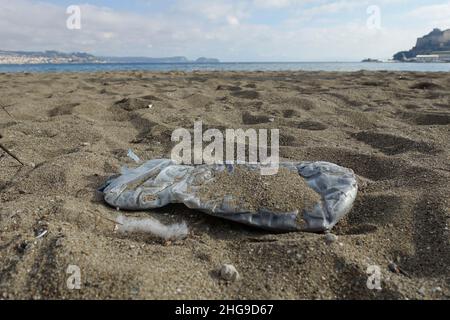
(73,131)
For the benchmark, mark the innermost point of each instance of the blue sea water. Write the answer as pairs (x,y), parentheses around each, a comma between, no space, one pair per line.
(230,66)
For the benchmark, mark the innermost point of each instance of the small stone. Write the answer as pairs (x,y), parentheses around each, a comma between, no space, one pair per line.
(393,268)
(330,238)
(32,164)
(436,289)
(59,242)
(40,233)
(229,273)
(421,291)
(86,144)
(23,246)
(134,291)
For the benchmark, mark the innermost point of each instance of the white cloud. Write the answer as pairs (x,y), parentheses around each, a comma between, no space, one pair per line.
(277,3)
(233,21)
(213,10)
(335,7)
(435,16)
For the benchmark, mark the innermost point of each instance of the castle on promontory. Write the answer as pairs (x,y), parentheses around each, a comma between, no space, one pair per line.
(433,47)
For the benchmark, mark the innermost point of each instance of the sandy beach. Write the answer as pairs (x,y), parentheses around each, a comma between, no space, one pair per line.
(73,130)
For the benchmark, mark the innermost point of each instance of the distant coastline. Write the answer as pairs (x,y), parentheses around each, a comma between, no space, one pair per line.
(56,57)
(45,57)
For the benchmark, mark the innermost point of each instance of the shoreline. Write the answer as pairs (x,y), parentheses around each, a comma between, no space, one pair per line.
(228,67)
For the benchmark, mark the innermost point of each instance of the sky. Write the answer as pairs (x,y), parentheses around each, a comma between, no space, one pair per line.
(230,30)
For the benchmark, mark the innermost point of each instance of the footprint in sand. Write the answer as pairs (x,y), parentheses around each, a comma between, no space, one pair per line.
(287,140)
(427,118)
(65,109)
(132,104)
(246,94)
(228,88)
(248,118)
(289,113)
(376,209)
(425,85)
(373,167)
(393,145)
(312,125)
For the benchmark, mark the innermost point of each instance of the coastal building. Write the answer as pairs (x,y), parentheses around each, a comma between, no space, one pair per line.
(437,42)
(444,56)
(427,58)
(439,56)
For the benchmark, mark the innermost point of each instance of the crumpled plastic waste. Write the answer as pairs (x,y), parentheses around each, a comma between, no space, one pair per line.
(133,156)
(159,182)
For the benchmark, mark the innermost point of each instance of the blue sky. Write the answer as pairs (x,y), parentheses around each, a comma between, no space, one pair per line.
(231,30)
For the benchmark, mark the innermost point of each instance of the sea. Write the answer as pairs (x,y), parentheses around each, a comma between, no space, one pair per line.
(230,66)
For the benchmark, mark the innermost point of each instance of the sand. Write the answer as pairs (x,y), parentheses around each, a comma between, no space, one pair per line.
(284,192)
(73,131)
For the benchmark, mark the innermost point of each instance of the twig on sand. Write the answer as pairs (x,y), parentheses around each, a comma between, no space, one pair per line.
(6,111)
(11,154)
(100,216)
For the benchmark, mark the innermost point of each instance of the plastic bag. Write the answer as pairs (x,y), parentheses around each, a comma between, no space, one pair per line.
(159,182)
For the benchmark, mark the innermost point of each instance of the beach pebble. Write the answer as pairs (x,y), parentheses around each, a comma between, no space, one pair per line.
(393,267)
(436,289)
(229,273)
(59,242)
(421,291)
(330,238)
(24,246)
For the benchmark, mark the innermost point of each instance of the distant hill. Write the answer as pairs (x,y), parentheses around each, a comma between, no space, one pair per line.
(144,60)
(56,57)
(178,59)
(34,57)
(207,60)
(435,41)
